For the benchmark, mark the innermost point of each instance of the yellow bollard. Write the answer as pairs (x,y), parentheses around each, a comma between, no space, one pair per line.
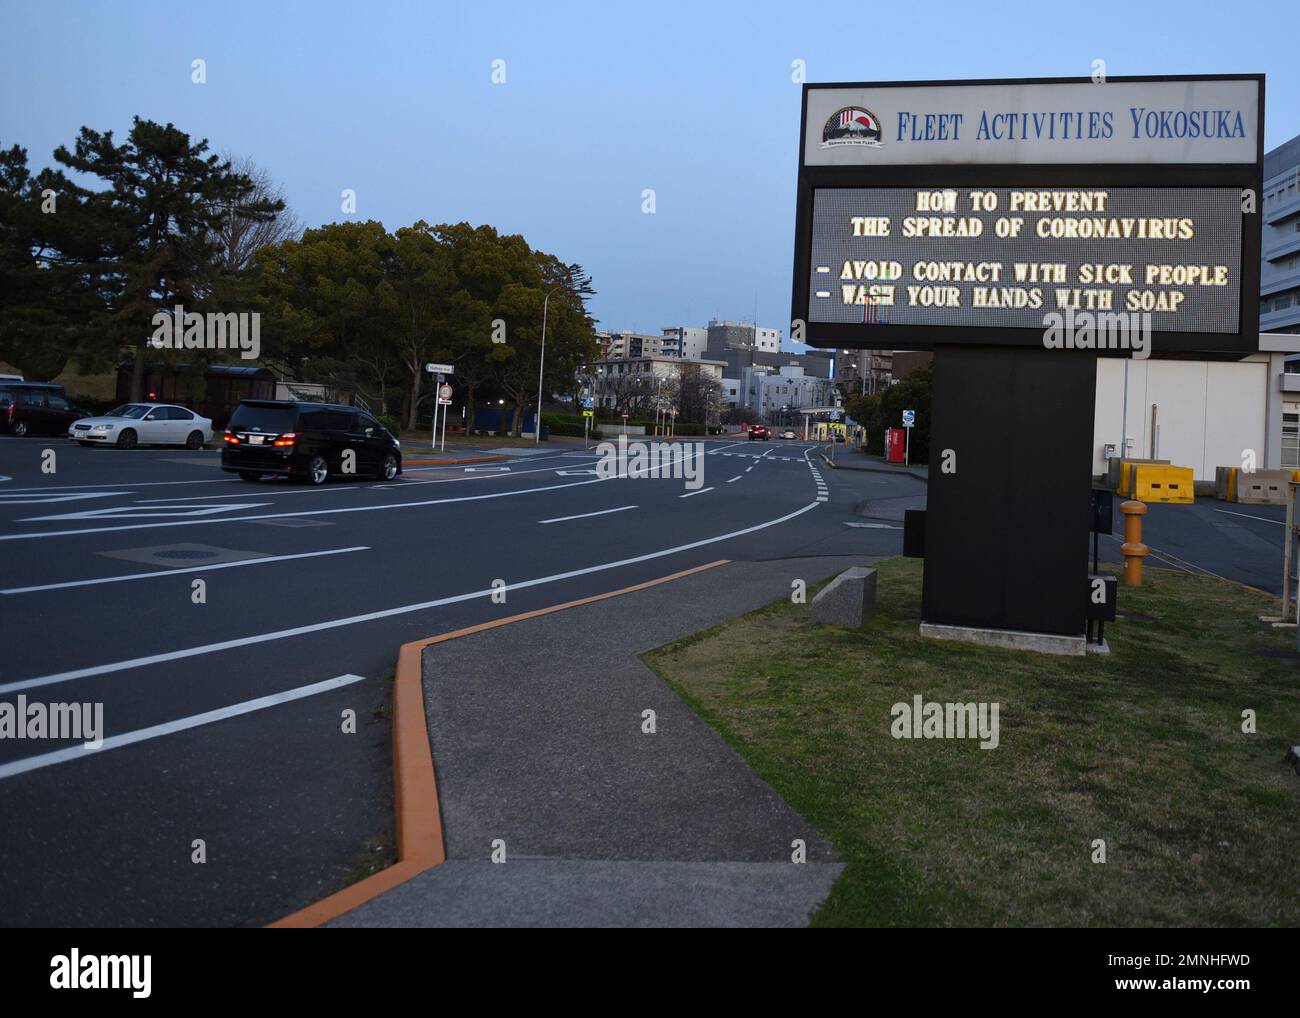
(1133,550)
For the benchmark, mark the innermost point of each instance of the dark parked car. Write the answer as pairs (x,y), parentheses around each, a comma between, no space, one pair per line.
(36,408)
(307,441)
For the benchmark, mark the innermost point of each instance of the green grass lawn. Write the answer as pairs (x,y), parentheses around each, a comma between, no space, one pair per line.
(1143,749)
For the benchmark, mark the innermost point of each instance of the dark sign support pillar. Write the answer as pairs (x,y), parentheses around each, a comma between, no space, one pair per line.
(1006,539)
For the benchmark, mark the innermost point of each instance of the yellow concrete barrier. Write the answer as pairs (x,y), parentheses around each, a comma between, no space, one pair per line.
(1156,483)
(1125,480)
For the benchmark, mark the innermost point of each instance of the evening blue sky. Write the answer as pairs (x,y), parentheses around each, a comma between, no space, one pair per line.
(601,101)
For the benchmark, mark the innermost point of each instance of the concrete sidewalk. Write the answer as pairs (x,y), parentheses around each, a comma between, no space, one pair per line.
(536,729)
(850,459)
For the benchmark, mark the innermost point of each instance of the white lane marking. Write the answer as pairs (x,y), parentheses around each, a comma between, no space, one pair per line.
(821,498)
(58,756)
(319,512)
(1248,516)
(266,493)
(748,469)
(406,609)
(736,478)
(136,512)
(576,473)
(701,491)
(583,516)
(873,526)
(31,498)
(459,479)
(183,570)
(303,512)
(129,484)
(487,470)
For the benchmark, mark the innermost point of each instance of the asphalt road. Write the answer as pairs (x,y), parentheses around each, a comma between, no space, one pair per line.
(1225,539)
(234,706)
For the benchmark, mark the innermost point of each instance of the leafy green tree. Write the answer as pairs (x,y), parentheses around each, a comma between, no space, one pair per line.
(866,411)
(885,410)
(482,261)
(329,307)
(53,303)
(422,279)
(570,335)
(165,203)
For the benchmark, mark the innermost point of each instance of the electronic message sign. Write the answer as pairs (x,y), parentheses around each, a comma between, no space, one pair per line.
(1012,213)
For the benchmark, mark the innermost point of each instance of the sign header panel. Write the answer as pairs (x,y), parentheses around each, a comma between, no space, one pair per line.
(1117,121)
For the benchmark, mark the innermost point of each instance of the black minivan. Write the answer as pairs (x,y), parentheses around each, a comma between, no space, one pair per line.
(307,441)
(36,408)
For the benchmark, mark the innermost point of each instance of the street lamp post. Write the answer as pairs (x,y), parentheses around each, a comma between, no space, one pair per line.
(541,366)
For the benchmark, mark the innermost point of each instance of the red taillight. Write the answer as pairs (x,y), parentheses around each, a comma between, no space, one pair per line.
(231,438)
(288,438)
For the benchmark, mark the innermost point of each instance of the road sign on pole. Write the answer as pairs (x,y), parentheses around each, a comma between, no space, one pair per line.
(440,369)
(909,418)
(444,394)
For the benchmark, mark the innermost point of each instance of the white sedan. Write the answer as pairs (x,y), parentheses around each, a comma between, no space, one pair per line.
(135,424)
(788,435)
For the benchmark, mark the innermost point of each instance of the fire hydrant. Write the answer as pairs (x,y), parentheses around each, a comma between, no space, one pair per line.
(1133,550)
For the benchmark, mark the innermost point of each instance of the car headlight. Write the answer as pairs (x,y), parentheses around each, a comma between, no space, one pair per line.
(100,427)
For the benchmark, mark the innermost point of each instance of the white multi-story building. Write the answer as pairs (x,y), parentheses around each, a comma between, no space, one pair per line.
(687,342)
(616,382)
(770,392)
(767,340)
(726,335)
(618,345)
(788,390)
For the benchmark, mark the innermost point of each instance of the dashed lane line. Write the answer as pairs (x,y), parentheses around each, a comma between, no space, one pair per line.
(584,516)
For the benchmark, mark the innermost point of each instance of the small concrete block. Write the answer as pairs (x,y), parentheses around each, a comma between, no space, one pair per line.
(847,601)
(1010,639)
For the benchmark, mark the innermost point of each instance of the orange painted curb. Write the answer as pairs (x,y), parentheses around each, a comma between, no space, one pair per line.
(415,788)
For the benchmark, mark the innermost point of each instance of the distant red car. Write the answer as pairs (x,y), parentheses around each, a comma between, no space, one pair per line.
(759,431)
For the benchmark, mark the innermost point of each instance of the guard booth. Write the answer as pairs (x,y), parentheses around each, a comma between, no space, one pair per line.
(1020,242)
(215,395)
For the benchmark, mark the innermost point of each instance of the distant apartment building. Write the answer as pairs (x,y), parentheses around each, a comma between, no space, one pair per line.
(619,345)
(617,382)
(864,371)
(1279,276)
(777,392)
(726,335)
(686,341)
